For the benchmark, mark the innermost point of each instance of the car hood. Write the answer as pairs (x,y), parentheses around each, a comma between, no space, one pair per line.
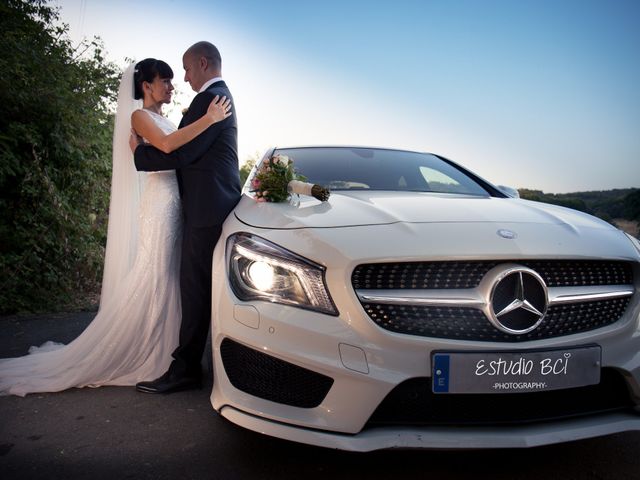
(349,209)
(355,227)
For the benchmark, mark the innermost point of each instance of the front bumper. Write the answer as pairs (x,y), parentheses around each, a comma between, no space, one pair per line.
(442,438)
(365,363)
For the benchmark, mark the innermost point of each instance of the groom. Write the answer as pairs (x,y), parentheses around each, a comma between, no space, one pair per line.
(208,178)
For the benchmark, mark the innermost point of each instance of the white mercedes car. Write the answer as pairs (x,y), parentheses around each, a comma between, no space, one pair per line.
(422,307)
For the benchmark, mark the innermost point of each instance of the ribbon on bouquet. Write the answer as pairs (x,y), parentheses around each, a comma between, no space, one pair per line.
(311,189)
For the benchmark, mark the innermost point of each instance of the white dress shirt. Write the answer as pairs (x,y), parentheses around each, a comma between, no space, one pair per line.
(209,83)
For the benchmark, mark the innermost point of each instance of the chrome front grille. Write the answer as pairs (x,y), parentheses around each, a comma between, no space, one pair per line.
(436,275)
(456,275)
(471,324)
(450,299)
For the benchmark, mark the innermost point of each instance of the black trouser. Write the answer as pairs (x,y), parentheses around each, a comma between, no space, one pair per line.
(195,291)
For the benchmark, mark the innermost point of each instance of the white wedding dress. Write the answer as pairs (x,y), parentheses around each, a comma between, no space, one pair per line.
(136,329)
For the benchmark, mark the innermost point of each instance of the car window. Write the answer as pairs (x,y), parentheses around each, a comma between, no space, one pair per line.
(441,182)
(341,168)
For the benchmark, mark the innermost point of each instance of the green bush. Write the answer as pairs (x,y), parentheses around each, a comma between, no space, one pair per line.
(55,159)
(606,204)
(631,206)
(245,169)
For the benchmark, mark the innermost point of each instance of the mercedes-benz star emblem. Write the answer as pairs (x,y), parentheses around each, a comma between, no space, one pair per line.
(508,234)
(518,301)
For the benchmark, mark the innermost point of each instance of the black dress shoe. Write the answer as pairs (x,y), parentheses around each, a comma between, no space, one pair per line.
(169,383)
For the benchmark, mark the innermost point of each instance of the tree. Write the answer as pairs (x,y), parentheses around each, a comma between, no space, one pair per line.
(55,158)
(631,205)
(246,167)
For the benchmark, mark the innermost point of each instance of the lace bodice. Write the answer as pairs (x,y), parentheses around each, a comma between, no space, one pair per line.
(162,122)
(167,127)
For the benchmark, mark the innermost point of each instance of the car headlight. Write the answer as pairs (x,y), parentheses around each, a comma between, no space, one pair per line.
(261,270)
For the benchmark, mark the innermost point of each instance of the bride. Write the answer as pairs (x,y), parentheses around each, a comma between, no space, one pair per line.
(136,328)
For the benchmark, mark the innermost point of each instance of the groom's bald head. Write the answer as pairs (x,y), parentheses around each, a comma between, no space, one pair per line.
(202,62)
(209,52)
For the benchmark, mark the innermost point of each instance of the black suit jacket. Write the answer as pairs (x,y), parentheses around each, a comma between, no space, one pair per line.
(206,167)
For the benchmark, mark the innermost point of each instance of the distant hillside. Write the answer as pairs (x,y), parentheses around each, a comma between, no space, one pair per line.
(606,204)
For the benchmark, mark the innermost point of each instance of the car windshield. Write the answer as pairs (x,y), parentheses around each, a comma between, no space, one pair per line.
(341,168)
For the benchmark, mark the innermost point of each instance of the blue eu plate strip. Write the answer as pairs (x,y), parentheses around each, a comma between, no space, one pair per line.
(440,373)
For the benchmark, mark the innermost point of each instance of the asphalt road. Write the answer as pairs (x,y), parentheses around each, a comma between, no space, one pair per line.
(117,433)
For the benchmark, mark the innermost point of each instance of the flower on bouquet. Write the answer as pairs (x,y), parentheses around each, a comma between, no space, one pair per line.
(277,179)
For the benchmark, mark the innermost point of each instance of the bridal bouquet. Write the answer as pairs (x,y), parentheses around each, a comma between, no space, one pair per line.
(277,179)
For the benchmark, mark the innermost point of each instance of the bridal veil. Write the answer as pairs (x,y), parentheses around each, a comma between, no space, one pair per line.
(126,189)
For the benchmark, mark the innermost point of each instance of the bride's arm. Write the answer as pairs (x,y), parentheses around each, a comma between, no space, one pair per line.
(145,127)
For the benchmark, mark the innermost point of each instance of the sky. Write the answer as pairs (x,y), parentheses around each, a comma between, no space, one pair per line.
(530,94)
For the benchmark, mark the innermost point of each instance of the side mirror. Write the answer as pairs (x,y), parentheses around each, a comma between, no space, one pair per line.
(510,191)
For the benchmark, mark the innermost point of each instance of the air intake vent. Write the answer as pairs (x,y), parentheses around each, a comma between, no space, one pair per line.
(270,378)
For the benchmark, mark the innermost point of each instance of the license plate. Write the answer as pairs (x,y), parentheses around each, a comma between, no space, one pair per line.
(514,372)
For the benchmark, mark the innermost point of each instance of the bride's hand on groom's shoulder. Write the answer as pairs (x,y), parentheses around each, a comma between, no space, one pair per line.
(134,140)
(219,108)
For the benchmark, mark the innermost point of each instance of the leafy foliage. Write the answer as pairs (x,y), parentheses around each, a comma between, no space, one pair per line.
(55,158)
(246,168)
(631,206)
(608,204)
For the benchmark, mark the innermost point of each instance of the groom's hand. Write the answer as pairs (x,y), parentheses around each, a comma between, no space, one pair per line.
(134,140)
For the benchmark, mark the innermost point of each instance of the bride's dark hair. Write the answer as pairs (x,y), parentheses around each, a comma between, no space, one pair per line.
(146,71)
